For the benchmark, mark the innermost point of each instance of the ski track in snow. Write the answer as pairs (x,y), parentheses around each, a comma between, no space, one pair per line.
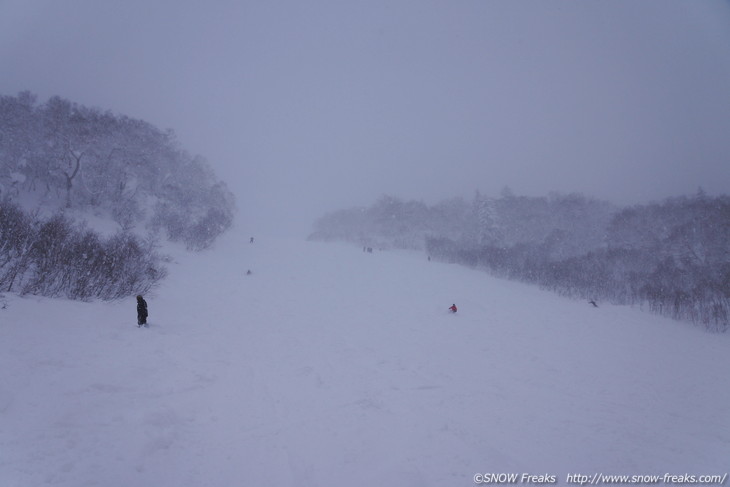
(329,366)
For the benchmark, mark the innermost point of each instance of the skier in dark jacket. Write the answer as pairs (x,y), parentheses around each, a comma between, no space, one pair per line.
(141,311)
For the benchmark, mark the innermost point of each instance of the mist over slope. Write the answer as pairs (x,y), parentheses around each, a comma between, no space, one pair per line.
(672,257)
(330,366)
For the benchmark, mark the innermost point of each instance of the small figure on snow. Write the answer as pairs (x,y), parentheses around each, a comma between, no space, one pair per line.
(452,308)
(593,303)
(248,272)
(141,311)
(251,241)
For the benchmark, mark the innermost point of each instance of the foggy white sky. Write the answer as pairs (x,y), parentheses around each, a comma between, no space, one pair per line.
(307,107)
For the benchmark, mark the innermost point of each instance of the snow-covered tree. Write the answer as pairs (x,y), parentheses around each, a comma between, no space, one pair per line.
(83,158)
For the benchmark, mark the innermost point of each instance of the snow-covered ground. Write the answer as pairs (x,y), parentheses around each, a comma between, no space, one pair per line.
(328,366)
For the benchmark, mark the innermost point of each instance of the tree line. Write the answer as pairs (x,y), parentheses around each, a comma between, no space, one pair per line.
(57,257)
(65,155)
(392,223)
(672,257)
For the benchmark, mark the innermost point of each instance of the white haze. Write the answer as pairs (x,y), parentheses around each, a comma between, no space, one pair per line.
(306,107)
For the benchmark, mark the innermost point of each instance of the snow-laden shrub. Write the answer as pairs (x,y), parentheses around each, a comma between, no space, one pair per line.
(59,258)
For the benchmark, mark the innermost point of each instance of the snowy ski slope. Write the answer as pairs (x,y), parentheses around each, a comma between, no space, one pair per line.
(328,366)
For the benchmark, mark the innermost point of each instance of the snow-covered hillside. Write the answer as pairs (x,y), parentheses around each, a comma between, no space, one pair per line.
(328,366)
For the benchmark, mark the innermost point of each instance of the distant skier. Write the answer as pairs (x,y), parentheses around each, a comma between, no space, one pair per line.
(452,308)
(593,303)
(141,311)
(251,241)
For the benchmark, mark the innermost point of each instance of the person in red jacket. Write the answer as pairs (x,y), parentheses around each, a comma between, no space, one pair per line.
(452,308)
